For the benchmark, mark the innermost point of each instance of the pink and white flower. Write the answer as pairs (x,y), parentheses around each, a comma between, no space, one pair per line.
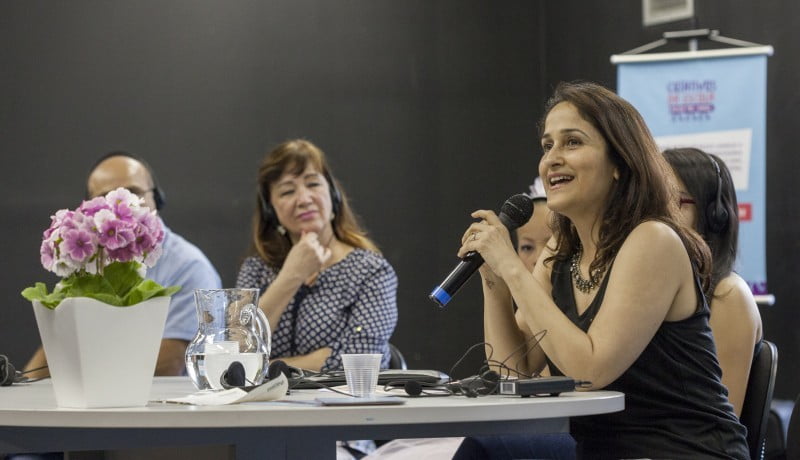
(114,228)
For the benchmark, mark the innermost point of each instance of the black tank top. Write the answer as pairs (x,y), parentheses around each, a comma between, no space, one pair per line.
(675,404)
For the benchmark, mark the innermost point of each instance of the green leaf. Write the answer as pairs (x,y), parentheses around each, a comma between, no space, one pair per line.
(111,299)
(105,288)
(84,286)
(122,276)
(148,289)
(39,292)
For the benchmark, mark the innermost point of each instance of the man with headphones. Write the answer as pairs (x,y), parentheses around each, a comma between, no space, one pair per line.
(181,264)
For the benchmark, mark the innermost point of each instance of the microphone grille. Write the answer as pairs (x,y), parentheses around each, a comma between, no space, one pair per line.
(234,376)
(518,210)
(413,388)
(276,368)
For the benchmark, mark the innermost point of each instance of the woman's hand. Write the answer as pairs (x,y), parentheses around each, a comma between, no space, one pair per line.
(490,238)
(306,258)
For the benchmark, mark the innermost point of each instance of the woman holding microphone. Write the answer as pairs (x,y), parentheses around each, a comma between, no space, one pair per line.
(618,290)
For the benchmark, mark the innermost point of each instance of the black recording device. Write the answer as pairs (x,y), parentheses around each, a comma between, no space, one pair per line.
(515,212)
(539,386)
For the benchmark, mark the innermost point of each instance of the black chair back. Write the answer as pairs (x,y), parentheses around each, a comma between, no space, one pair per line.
(758,397)
(793,434)
(397,361)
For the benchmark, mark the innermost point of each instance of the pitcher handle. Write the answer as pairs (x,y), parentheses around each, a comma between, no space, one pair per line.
(262,325)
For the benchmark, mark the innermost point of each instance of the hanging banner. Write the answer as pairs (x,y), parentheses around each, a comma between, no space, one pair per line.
(717,103)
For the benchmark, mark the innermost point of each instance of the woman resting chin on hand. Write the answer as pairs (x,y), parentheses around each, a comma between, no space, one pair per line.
(326,288)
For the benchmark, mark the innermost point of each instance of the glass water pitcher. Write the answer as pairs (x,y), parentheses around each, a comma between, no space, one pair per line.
(230,328)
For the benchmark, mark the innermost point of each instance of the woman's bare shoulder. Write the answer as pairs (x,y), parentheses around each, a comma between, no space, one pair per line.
(655,238)
(733,290)
(734,312)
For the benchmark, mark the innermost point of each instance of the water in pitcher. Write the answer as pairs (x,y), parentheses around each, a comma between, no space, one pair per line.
(205,369)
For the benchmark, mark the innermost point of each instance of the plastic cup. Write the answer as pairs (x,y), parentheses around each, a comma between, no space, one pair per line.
(361,373)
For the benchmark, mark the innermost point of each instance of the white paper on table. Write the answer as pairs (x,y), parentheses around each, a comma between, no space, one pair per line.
(269,391)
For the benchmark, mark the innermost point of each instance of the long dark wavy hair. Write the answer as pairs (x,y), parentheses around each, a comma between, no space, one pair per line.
(695,169)
(645,189)
(293,156)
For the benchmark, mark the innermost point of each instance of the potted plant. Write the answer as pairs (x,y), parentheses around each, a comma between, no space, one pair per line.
(101,326)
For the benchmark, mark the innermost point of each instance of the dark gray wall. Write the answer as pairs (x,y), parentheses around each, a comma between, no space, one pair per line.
(427,110)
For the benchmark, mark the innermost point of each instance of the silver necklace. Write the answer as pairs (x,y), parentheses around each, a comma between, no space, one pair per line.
(584,285)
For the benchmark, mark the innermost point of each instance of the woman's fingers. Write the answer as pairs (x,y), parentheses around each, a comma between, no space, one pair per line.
(488,216)
(326,254)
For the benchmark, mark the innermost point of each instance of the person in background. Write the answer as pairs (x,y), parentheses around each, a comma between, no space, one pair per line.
(326,288)
(181,263)
(619,291)
(708,205)
(531,240)
(533,236)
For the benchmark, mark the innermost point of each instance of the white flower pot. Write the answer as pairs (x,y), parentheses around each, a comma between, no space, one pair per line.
(100,355)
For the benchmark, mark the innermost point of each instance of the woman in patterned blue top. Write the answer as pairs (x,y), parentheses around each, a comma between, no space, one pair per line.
(326,288)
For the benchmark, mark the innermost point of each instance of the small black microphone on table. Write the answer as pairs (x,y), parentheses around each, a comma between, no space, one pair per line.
(413,388)
(234,376)
(515,212)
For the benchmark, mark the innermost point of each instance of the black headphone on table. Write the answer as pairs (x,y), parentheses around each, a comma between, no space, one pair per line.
(158,194)
(415,389)
(234,375)
(717,213)
(268,215)
(8,373)
(484,384)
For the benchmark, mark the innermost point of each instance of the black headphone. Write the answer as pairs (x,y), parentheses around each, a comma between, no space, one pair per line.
(484,384)
(716,213)
(9,374)
(234,375)
(158,194)
(268,215)
(415,389)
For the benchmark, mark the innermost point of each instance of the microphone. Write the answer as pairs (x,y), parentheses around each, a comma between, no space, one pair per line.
(234,376)
(515,212)
(413,388)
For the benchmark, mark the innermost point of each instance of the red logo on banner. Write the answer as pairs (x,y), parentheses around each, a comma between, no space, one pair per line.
(745,212)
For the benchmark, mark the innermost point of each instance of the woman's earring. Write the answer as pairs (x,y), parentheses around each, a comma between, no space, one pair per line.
(281,230)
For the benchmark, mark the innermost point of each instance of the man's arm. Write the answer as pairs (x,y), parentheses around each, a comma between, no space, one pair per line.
(171,357)
(37,360)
